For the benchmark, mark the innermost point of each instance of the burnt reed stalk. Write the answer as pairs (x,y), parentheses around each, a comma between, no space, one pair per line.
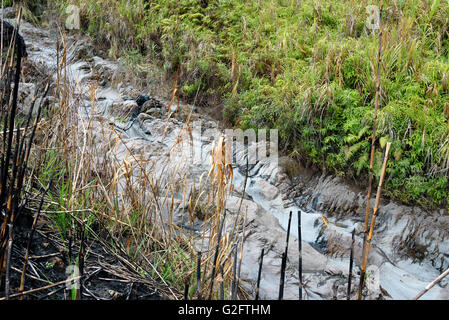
(81,255)
(300,256)
(11,119)
(239,268)
(9,141)
(198,276)
(373,141)
(186,288)
(8,259)
(9,159)
(259,274)
(351,261)
(222,282)
(27,150)
(284,260)
(217,248)
(234,271)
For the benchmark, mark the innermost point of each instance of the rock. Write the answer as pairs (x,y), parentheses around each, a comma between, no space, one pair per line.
(152,103)
(141,99)
(280,178)
(8,12)
(129,90)
(142,117)
(107,71)
(57,263)
(266,190)
(8,33)
(25,97)
(82,50)
(146,127)
(156,112)
(124,109)
(115,295)
(46,102)
(283,187)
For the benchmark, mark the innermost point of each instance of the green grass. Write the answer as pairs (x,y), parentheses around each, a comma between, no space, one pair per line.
(308,69)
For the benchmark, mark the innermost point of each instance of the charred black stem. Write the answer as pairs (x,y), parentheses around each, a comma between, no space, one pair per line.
(198,276)
(81,261)
(259,273)
(30,141)
(300,255)
(12,117)
(8,260)
(284,260)
(234,270)
(222,282)
(186,289)
(351,261)
(212,281)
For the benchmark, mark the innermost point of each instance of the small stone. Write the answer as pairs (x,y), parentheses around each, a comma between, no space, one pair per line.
(141,99)
(152,103)
(125,109)
(57,263)
(267,190)
(155,112)
(114,294)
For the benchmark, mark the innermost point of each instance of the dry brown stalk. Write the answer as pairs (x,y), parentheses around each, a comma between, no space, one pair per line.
(373,219)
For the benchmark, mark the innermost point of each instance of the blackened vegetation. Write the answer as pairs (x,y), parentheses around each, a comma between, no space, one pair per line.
(16,141)
(259,274)
(351,261)
(284,261)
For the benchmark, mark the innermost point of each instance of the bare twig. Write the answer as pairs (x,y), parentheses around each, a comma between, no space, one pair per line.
(431,284)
